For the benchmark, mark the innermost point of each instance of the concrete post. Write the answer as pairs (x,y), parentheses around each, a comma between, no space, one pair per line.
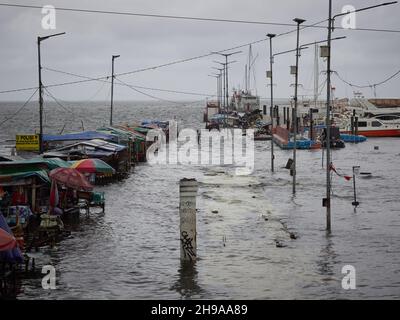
(187,213)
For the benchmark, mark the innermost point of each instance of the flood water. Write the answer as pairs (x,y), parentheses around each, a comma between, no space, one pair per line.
(132,251)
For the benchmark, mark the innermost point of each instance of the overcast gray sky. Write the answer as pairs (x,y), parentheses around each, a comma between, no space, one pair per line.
(363,58)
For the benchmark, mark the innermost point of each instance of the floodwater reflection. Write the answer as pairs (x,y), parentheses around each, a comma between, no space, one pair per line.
(187,285)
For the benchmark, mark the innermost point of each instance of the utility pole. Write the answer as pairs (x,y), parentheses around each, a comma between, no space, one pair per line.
(270,36)
(216,76)
(112,88)
(331,20)
(221,74)
(298,21)
(222,70)
(39,40)
(316,75)
(328,124)
(225,96)
(226,55)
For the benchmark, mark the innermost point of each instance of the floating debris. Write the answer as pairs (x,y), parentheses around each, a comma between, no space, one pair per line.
(279,244)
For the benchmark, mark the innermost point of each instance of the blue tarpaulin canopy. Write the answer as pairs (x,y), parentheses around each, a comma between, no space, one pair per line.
(85,135)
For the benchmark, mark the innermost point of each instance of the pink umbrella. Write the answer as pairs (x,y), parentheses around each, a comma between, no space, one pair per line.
(71,178)
(7,241)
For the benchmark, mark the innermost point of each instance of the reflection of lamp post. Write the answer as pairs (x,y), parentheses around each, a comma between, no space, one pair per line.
(355,203)
(331,20)
(298,21)
(39,40)
(112,88)
(270,36)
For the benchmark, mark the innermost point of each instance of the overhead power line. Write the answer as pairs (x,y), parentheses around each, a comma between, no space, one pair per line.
(20,109)
(155,97)
(370,85)
(135,86)
(175,17)
(56,101)
(88,79)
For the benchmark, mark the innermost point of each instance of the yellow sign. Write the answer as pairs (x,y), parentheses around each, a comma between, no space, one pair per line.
(27,142)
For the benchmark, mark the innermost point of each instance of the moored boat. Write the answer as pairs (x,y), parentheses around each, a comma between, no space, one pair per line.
(374,127)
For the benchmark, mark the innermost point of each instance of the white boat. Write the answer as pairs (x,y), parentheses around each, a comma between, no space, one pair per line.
(374,127)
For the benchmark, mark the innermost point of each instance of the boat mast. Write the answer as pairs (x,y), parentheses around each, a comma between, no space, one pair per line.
(249,70)
(245,76)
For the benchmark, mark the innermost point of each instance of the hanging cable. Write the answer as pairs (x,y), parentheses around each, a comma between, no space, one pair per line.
(152,96)
(367,86)
(175,17)
(56,101)
(20,109)
(135,86)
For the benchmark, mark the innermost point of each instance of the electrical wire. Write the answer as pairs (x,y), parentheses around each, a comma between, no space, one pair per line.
(126,13)
(155,97)
(173,62)
(135,86)
(20,109)
(367,86)
(56,101)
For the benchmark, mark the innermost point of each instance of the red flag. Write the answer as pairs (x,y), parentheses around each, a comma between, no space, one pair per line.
(348,178)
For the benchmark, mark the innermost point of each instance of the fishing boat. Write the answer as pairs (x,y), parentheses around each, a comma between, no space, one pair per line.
(244,100)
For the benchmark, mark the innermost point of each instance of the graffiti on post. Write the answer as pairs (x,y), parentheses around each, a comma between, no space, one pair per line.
(187,246)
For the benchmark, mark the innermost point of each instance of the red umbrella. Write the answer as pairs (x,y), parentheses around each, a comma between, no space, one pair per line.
(54,198)
(7,241)
(71,178)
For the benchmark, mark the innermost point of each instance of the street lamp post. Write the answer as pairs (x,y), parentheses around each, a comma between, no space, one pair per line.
(327,200)
(270,36)
(39,40)
(226,55)
(223,80)
(225,96)
(216,76)
(298,21)
(112,88)
(221,70)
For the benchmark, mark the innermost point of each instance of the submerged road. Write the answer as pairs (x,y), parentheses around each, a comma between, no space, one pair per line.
(255,240)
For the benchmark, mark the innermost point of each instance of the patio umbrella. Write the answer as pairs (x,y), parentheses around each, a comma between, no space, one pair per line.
(7,241)
(93,166)
(71,178)
(12,254)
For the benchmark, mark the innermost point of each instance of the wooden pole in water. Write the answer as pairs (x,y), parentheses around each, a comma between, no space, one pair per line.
(187,218)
